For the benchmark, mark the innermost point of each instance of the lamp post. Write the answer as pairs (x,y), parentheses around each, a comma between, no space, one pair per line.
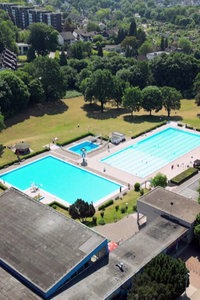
(187,276)
(171,205)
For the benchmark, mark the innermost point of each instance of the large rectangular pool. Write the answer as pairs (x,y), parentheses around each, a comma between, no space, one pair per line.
(61,179)
(152,153)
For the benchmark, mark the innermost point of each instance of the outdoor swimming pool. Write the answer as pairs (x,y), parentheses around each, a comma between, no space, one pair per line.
(61,179)
(154,152)
(87,145)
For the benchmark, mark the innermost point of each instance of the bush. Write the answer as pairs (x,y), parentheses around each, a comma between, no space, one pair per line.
(141,192)
(189,126)
(117,208)
(3,187)
(94,220)
(185,175)
(74,139)
(137,187)
(56,204)
(102,222)
(106,204)
(102,214)
(180,124)
(134,207)
(123,210)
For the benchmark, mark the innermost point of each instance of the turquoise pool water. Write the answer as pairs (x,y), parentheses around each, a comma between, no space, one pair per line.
(87,145)
(152,153)
(61,179)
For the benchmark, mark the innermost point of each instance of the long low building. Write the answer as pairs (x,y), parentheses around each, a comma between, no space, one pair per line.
(44,253)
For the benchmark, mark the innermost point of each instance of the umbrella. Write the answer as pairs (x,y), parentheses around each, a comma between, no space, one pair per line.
(112,246)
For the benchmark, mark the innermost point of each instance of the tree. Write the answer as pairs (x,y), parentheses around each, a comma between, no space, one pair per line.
(171,99)
(63,59)
(37,94)
(48,71)
(16,94)
(31,54)
(132,99)
(196,89)
(81,210)
(177,70)
(164,278)
(151,99)
(43,38)
(2,125)
(69,76)
(130,45)
(145,48)
(133,28)
(100,87)
(162,44)
(197,228)
(185,45)
(8,33)
(159,180)
(100,50)
(118,90)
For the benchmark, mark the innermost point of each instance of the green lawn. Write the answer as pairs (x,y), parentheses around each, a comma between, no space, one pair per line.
(110,213)
(40,124)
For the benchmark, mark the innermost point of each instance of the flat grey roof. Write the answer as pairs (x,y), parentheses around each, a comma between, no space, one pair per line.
(40,243)
(182,208)
(134,254)
(10,288)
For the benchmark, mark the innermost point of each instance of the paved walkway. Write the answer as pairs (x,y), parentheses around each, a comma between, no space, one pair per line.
(121,230)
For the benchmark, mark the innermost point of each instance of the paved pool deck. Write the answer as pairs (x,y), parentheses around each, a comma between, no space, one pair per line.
(95,165)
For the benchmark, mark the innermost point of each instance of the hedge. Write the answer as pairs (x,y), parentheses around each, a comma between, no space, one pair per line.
(185,175)
(148,130)
(106,204)
(3,187)
(54,204)
(74,139)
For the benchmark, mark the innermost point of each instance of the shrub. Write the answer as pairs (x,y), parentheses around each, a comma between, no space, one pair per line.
(189,126)
(3,187)
(106,204)
(102,214)
(123,210)
(134,207)
(180,124)
(102,222)
(74,139)
(137,187)
(54,206)
(94,220)
(141,192)
(117,208)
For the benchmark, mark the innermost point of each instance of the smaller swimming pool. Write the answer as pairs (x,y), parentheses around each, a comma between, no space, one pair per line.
(87,145)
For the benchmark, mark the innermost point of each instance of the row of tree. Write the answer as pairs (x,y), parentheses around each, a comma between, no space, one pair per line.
(131,83)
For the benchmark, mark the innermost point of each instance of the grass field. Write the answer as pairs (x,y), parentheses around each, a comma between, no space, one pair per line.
(41,123)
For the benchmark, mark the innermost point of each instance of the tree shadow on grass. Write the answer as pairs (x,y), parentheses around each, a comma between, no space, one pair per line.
(151,119)
(94,111)
(38,110)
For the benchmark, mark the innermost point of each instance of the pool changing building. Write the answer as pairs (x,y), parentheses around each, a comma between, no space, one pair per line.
(55,257)
(42,248)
